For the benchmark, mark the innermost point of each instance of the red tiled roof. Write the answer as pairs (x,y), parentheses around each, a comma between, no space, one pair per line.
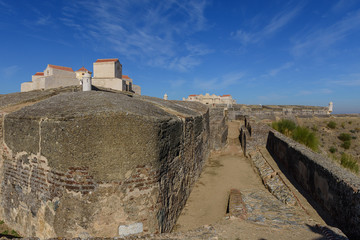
(227,95)
(193,95)
(125,77)
(61,68)
(83,69)
(39,74)
(107,60)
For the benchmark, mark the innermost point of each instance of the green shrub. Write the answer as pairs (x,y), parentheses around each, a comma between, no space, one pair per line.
(353,131)
(332,149)
(314,128)
(305,136)
(284,126)
(343,125)
(350,122)
(354,137)
(346,144)
(344,137)
(14,233)
(349,162)
(331,124)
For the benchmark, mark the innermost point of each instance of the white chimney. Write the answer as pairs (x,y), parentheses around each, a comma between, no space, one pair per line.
(86,82)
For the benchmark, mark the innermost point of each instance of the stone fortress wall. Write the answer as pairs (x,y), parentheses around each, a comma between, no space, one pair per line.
(334,189)
(81,164)
(272,112)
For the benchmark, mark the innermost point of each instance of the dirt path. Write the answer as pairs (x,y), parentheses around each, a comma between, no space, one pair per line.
(223,171)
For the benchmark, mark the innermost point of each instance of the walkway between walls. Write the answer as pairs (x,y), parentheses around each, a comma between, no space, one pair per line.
(264,216)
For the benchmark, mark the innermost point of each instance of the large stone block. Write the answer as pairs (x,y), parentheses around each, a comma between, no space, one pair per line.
(86,163)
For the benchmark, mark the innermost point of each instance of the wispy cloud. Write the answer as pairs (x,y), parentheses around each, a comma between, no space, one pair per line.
(6,8)
(219,83)
(347,80)
(176,84)
(10,71)
(343,5)
(38,19)
(319,39)
(275,24)
(155,33)
(316,91)
(275,71)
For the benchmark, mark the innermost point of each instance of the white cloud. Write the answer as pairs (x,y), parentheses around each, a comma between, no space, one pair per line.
(343,5)
(219,83)
(347,80)
(319,39)
(6,8)
(275,71)
(275,24)
(316,91)
(154,32)
(176,84)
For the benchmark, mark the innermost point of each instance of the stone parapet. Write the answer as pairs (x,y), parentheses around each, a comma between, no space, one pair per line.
(334,188)
(273,112)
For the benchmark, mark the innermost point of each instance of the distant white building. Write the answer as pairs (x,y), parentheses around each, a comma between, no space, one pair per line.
(211,99)
(52,77)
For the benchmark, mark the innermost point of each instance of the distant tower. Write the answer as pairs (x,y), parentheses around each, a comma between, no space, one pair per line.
(331,106)
(165,96)
(86,82)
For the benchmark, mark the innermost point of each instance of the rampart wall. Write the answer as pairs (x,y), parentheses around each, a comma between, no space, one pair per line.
(100,164)
(334,188)
(272,112)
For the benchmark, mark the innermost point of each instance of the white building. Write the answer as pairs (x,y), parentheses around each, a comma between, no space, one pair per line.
(52,77)
(81,73)
(107,74)
(211,100)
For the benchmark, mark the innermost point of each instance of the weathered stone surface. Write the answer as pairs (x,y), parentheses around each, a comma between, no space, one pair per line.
(8,100)
(218,128)
(84,163)
(236,204)
(273,111)
(272,180)
(334,188)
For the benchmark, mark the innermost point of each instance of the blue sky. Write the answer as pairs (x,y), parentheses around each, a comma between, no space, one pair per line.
(260,52)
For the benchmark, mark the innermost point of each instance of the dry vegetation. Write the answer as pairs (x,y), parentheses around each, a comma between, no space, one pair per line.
(339,138)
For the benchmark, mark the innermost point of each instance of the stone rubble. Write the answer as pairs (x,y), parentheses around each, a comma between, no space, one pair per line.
(272,180)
